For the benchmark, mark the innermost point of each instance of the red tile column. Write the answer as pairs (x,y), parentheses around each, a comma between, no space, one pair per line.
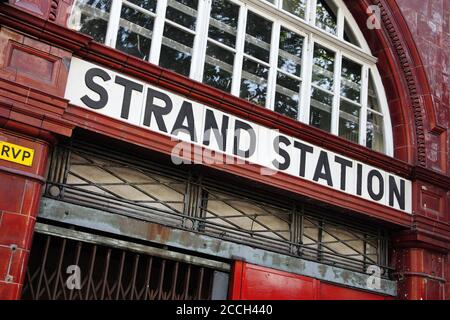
(20,192)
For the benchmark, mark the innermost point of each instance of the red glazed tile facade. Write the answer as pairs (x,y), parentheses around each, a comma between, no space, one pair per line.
(413,53)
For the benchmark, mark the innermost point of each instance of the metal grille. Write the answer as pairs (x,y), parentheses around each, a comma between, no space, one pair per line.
(236,217)
(118,186)
(186,199)
(109,273)
(336,244)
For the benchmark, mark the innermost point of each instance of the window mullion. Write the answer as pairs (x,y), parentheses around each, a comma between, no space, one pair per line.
(312,12)
(201,38)
(158,30)
(238,58)
(113,25)
(364,99)
(305,98)
(337,94)
(273,65)
(340,22)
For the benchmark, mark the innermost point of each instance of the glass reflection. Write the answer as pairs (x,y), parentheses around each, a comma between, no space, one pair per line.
(258,36)
(254,82)
(349,121)
(91,17)
(223,22)
(323,68)
(320,112)
(135,32)
(296,7)
(326,13)
(287,96)
(149,5)
(182,12)
(290,53)
(374,131)
(218,67)
(351,80)
(176,51)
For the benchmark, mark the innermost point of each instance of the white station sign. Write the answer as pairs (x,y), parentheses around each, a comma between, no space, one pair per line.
(135,102)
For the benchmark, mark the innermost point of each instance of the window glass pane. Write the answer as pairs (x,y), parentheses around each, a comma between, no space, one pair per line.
(176,50)
(287,96)
(349,121)
(337,239)
(183,12)
(320,113)
(349,35)
(149,5)
(135,32)
(91,18)
(373,102)
(177,44)
(297,7)
(218,70)
(223,22)
(375,132)
(290,53)
(257,38)
(218,67)
(351,80)
(254,82)
(326,13)
(323,68)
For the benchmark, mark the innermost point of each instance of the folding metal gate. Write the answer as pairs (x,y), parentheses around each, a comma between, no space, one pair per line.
(111,269)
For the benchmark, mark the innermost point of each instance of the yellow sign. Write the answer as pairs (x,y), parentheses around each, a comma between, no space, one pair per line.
(18,154)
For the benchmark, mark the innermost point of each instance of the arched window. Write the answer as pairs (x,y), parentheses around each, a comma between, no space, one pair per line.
(306,59)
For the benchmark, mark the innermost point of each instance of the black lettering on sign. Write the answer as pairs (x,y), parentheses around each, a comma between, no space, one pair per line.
(398,193)
(344,165)
(240,126)
(187,115)
(16,153)
(283,153)
(211,125)
(375,196)
(5,150)
(26,155)
(128,88)
(97,88)
(157,111)
(359,179)
(304,148)
(323,169)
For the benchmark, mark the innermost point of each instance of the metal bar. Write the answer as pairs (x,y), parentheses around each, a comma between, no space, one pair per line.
(58,270)
(41,275)
(119,279)
(135,269)
(200,284)
(186,282)
(105,273)
(91,271)
(161,279)
(147,277)
(77,260)
(174,280)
